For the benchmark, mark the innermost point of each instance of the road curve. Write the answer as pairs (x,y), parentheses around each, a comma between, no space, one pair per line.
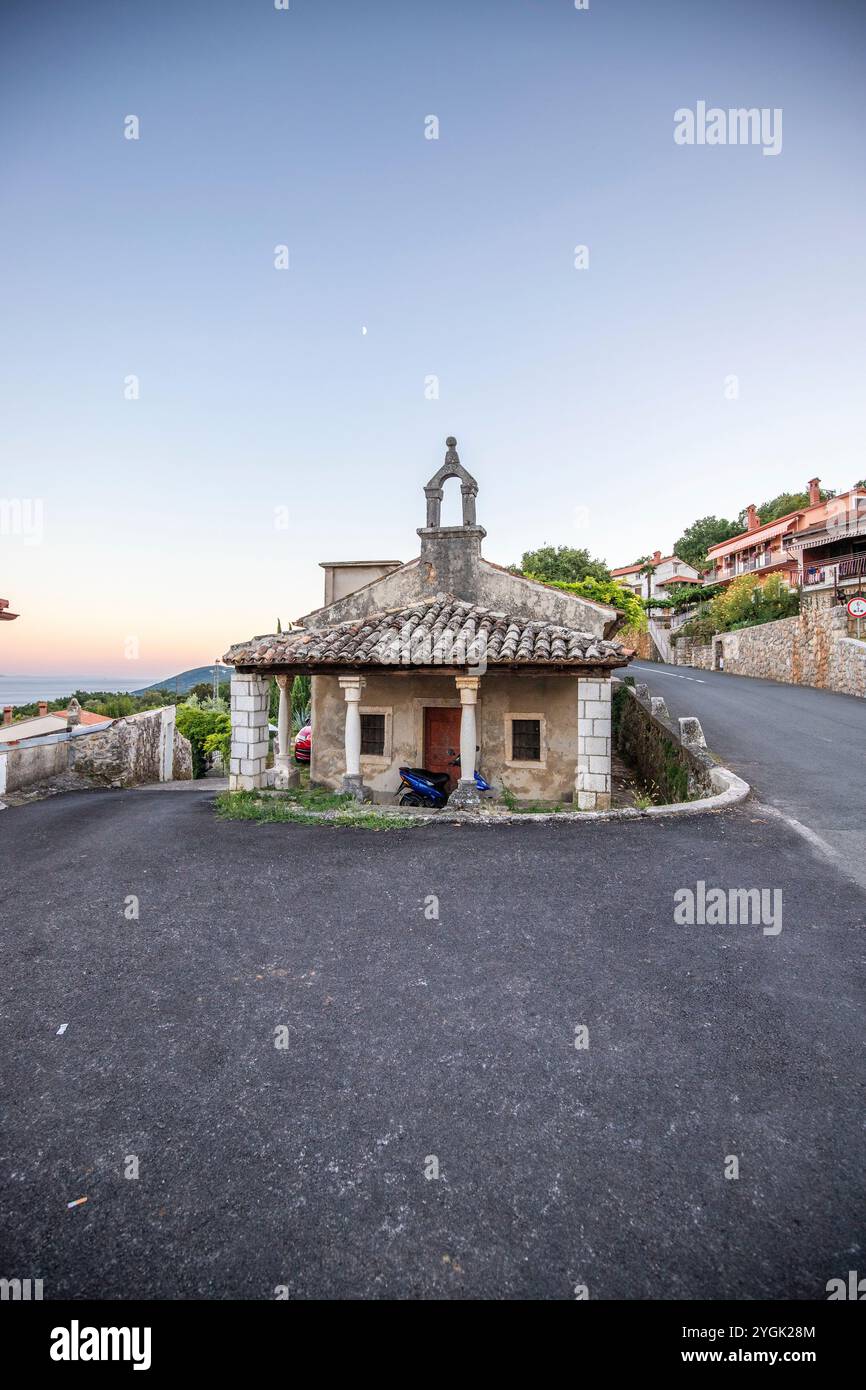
(803,751)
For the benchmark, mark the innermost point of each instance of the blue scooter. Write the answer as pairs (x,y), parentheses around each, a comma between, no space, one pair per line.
(419,787)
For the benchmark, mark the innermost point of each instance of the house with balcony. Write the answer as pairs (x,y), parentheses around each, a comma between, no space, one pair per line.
(831,553)
(796,544)
(668,573)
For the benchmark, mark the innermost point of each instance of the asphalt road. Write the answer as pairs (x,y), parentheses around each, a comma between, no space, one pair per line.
(802,751)
(410,1039)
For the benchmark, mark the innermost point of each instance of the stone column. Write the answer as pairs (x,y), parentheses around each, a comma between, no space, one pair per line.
(466,792)
(351,687)
(287,775)
(249,750)
(592,779)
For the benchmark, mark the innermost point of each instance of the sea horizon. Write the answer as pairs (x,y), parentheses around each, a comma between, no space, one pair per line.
(24,690)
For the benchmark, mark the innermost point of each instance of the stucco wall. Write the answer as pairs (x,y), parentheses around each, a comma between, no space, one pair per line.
(552,697)
(483,584)
(343,579)
(24,767)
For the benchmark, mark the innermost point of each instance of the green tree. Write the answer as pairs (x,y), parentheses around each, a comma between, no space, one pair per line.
(696,540)
(199,726)
(783,504)
(647,569)
(561,565)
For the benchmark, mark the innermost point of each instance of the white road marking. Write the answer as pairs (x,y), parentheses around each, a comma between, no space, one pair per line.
(653,671)
(803,830)
(62,1029)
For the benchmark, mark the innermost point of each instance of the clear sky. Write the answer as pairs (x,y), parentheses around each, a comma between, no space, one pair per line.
(590,404)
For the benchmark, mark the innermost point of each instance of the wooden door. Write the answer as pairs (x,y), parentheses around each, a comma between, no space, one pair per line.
(441,734)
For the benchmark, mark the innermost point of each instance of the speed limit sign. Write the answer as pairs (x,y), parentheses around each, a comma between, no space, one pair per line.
(857,607)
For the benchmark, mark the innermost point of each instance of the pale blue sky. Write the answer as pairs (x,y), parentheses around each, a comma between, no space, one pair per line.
(599,389)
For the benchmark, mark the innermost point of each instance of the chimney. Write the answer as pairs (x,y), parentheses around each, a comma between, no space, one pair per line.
(73,714)
(814,491)
(657,557)
(7,714)
(752,520)
(42,708)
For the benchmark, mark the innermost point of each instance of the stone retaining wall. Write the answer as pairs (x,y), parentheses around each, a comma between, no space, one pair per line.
(671,768)
(693,651)
(812,649)
(766,651)
(640,643)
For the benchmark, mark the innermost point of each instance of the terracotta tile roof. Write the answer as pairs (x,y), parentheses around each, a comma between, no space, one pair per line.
(443,631)
(633,569)
(86,716)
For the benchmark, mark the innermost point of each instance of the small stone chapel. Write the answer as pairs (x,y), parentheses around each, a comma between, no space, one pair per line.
(411,663)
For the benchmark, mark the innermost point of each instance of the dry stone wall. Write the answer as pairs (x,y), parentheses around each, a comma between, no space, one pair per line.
(672,766)
(812,649)
(692,651)
(141,748)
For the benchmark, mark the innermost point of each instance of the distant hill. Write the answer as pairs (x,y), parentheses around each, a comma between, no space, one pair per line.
(185,680)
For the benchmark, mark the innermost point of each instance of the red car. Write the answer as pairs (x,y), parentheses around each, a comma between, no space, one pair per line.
(302,744)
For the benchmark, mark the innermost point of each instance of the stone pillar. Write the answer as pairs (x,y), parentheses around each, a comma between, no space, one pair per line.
(249,750)
(287,775)
(466,792)
(351,687)
(168,717)
(592,780)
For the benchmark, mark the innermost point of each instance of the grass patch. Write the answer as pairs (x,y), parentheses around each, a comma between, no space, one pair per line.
(300,805)
(531,808)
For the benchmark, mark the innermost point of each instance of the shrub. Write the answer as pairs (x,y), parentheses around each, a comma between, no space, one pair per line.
(748,601)
(607,591)
(208,731)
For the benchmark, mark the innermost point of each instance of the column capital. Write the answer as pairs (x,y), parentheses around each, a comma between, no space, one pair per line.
(352,686)
(468,687)
(283,679)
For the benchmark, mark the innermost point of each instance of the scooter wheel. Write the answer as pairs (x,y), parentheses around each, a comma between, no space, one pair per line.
(411,799)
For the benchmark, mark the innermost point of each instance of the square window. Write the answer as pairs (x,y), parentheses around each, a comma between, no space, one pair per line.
(373,735)
(526,740)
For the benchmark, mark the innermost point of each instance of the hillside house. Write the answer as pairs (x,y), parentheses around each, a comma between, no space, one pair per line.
(815,546)
(667,574)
